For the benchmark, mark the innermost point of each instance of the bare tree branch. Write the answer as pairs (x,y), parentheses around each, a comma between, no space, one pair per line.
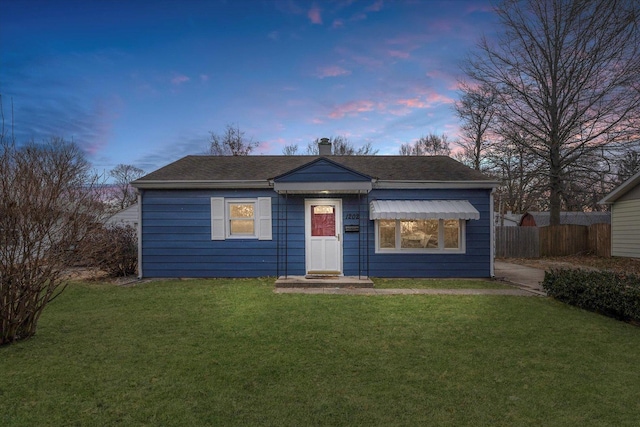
(231,143)
(125,194)
(341,146)
(567,75)
(430,145)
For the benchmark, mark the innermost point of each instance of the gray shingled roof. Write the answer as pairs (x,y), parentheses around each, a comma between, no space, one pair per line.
(543,219)
(258,168)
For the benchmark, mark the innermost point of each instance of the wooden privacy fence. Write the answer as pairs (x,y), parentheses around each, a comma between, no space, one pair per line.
(558,240)
(561,240)
(600,239)
(517,242)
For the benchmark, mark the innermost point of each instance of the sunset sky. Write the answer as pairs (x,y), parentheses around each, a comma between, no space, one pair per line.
(143,82)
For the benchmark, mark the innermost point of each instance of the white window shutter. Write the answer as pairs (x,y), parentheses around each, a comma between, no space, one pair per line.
(217,218)
(264,218)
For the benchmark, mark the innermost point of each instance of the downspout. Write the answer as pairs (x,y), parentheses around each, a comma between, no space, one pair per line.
(286,235)
(277,235)
(492,234)
(139,231)
(360,217)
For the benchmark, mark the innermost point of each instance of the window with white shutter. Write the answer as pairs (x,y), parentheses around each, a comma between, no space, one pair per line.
(241,218)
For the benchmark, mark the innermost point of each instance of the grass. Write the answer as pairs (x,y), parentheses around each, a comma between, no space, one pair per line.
(232,352)
(439,284)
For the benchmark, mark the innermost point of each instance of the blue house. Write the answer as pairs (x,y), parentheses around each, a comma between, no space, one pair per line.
(365,216)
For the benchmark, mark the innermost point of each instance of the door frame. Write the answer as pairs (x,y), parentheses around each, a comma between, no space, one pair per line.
(307,231)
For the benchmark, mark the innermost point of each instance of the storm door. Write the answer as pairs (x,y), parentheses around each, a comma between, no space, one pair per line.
(323,228)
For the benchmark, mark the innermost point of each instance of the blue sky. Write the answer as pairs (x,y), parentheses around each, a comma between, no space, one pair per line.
(143,82)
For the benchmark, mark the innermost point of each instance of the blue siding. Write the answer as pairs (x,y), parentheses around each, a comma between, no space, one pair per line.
(475,262)
(322,170)
(176,238)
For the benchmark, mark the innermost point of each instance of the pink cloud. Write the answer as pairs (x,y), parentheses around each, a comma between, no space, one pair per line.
(179,79)
(332,71)
(376,7)
(479,8)
(367,61)
(274,35)
(204,78)
(338,23)
(441,26)
(429,100)
(435,98)
(352,108)
(446,78)
(102,115)
(412,103)
(314,15)
(398,54)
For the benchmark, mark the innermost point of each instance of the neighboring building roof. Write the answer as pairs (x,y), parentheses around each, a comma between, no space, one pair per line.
(621,190)
(508,219)
(127,216)
(245,171)
(543,219)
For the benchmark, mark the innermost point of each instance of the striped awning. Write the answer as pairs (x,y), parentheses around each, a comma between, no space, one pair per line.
(422,209)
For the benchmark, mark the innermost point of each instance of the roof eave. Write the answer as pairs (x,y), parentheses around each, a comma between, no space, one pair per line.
(621,190)
(199,184)
(242,184)
(434,184)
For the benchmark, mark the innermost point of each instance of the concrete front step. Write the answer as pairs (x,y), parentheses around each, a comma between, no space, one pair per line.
(323,282)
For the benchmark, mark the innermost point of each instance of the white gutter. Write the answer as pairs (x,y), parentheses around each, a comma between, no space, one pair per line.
(383,184)
(185,184)
(323,187)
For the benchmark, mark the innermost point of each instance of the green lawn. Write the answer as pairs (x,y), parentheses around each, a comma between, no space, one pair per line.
(228,352)
(439,284)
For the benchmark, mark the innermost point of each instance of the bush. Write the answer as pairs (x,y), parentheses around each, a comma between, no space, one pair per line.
(612,294)
(114,250)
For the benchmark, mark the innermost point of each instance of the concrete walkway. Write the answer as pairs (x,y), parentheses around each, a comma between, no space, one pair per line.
(526,279)
(373,291)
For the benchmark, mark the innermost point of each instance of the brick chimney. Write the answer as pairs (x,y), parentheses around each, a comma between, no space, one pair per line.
(324,147)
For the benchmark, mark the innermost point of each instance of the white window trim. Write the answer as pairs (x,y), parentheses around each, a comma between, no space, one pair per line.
(227,218)
(439,250)
(220,218)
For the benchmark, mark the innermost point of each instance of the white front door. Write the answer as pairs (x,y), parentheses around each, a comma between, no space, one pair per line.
(323,227)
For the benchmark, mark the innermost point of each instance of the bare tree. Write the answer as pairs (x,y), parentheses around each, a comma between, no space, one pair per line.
(290,150)
(231,143)
(476,108)
(48,207)
(430,145)
(627,166)
(125,194)
(567,75)
(341,146)
(520,175)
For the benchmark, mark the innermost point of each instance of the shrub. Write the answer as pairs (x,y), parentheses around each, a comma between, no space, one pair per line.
(612,294)
(49,205)
(114,250)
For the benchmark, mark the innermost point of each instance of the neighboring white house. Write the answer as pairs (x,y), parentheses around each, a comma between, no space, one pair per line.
(625,218)
(508,219)
(127,216)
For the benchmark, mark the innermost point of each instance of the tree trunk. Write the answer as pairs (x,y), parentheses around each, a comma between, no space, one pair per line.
(555,184)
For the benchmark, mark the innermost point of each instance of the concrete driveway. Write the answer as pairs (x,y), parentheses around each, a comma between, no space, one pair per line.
(527,278)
